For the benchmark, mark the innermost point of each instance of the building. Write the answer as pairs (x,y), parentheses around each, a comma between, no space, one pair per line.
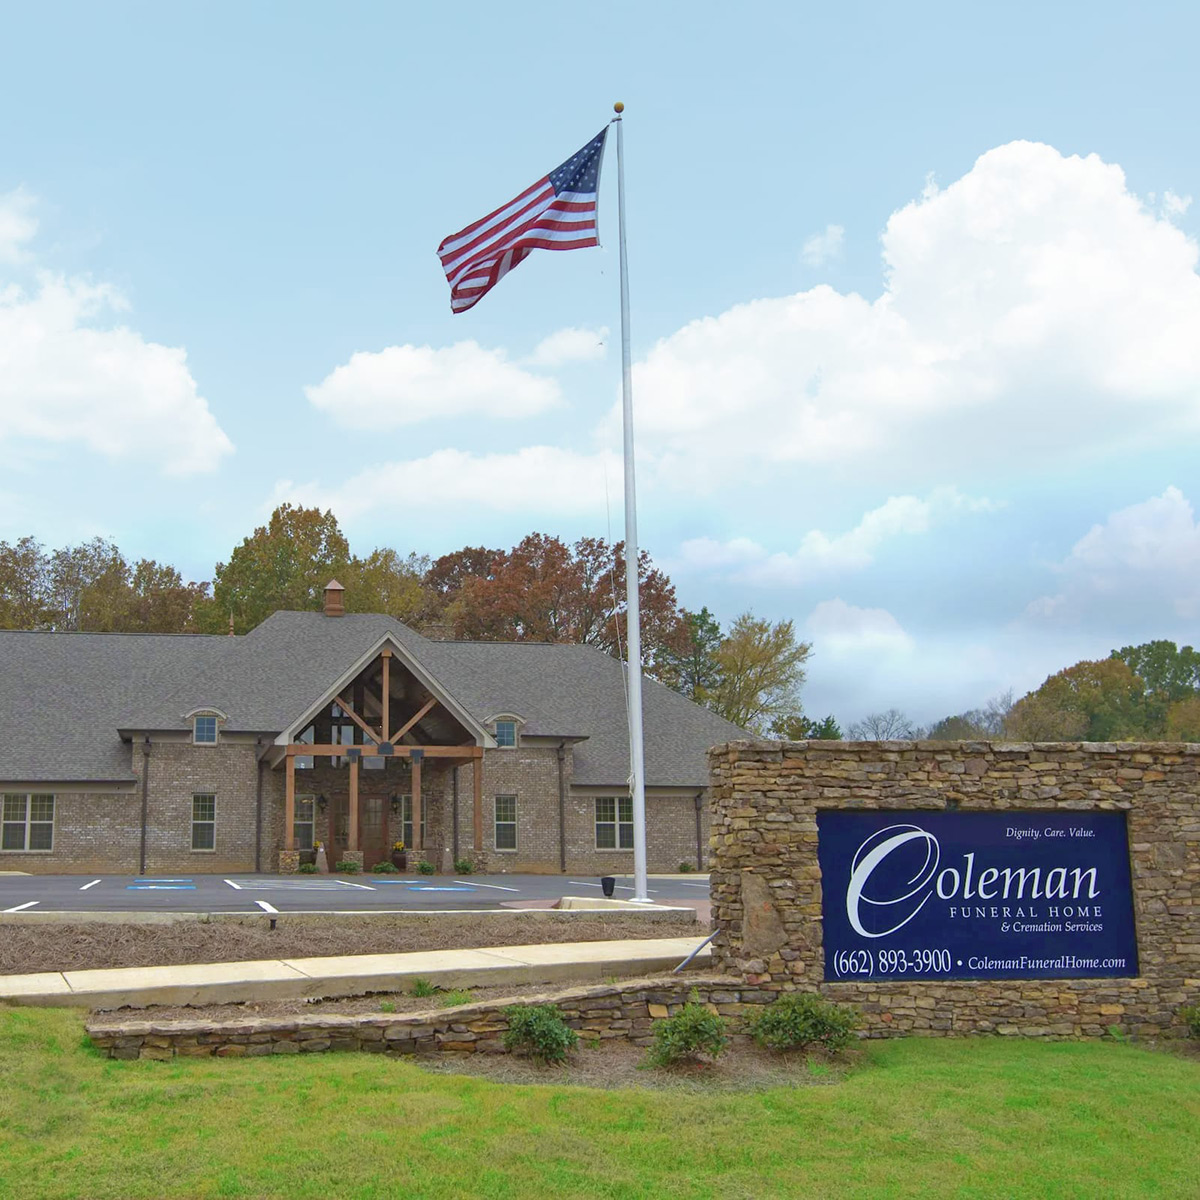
(152,753)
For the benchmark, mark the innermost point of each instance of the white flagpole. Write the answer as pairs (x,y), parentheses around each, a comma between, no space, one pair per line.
(633,608)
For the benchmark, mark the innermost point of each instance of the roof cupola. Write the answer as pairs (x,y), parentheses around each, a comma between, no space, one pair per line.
(335,599)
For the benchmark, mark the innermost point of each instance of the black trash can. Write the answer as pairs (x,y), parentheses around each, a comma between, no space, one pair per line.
(608,883)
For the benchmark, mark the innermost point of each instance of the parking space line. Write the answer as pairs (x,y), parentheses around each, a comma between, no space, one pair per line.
(89,885)
(235,886)
(498,887)
(620,887)
(688,883)
(365,886)
(266,907)
(19,907)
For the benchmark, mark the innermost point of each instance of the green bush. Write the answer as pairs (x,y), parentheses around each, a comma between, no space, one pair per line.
(692,1031)
(422,987)
(686,868)
(800,1019)
(384,868)
(463,866)
(456,997)
(347,867)
(1191,1018)
(539,1031)
(388,1006)
(426,867)
(307,868)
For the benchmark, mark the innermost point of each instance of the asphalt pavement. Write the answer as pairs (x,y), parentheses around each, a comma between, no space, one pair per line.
(317,893)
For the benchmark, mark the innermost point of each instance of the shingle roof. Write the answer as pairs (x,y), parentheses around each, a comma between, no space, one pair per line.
(63,697)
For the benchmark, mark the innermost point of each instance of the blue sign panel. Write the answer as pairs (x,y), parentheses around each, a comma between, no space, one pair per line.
(976,895)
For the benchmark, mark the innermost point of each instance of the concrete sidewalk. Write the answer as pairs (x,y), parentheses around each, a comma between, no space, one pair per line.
(353,975)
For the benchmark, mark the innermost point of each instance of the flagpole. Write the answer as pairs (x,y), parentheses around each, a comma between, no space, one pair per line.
(637,763)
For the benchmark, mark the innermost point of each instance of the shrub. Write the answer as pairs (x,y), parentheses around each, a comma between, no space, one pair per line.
(692,1031)
(426,867)
(463,866)
(347,867)
(307,868)
(1191,1018)
(801,1019)
(422,987)
(388,1006)
(384,868)
(686,868)
(458,996)
(539,1031)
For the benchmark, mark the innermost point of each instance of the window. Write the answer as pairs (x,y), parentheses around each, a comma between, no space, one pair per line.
(304,762)
(506,733)
(302,826)
(26,822)
(406,819)
(506,822)
(614,823)
(204,731)
(341,735)
(204,821)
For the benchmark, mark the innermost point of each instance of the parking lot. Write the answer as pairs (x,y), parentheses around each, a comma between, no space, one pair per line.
(317,893)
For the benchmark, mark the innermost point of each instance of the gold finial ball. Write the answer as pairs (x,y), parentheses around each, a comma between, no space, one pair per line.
(618,107)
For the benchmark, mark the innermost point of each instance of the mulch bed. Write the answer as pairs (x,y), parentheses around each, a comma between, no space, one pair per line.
(744,1067)
(25,949)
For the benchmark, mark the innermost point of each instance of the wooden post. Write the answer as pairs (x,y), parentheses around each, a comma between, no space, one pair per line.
(384,722)
(353,833)
(477,773)
(418,840)
(289,804)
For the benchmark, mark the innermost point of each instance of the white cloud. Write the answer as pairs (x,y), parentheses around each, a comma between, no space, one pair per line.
(1175,206)
(1034,309)
(66,378)
(842,629)
(17,225)
(571,345)
(898,516)
(1144,559)
(822,247)
(402,385)
(536,479)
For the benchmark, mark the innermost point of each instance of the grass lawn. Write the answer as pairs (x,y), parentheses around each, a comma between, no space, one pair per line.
(978,1117)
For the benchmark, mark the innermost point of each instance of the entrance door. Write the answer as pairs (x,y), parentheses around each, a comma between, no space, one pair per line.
(374,816)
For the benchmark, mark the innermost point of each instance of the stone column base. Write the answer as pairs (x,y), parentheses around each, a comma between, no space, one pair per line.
(289,862)
(354,856)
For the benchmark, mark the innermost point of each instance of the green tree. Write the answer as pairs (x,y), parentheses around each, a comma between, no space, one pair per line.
(24,585)
(1097,701)
(800,728)
(384,582)
(1183,720)
(284,564)
(761,670)
(1169,672)
(692,669)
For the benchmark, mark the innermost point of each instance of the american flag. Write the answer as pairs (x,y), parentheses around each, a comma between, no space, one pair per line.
(556,213)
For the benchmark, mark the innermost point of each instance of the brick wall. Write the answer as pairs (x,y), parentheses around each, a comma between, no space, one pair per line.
(625,1011)
(766,796)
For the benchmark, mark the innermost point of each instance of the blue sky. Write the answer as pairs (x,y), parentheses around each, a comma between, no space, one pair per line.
(916,317)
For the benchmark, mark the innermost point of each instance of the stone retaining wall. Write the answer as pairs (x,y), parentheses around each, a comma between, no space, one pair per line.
(625,1011)
(766,881)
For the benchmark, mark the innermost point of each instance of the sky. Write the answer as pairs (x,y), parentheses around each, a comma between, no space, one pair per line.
(915,307)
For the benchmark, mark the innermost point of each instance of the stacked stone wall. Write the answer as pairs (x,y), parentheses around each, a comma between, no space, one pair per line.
(625,1011)
(766,881)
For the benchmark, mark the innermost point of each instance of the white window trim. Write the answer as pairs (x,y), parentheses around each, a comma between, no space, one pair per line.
(216,719)
(28,823)
(616,824)
(516,723)
(204,849)
(496,823)
(312,821)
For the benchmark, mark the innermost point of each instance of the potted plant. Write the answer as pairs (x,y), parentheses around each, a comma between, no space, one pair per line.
(399,856)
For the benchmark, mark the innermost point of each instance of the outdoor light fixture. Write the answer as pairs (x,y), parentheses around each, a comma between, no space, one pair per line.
(322,803)
(395,803)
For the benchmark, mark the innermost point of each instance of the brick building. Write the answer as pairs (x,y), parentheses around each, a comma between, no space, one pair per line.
(153,753)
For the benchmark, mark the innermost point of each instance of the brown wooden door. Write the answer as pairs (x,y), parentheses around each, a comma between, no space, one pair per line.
(374,830)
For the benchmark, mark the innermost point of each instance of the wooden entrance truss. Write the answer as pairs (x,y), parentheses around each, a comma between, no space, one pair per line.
(377,697)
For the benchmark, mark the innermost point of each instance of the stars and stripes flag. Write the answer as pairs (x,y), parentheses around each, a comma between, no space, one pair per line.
(556,213)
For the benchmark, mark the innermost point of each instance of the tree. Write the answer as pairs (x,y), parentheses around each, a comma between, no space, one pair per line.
(974,724)
(1169,672)
(1096,701)
(284,564)
(692,669)
(1183,720)
(760,670)
(888,726)
(24,584)
(802,729)
(383,582)
(544,590)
